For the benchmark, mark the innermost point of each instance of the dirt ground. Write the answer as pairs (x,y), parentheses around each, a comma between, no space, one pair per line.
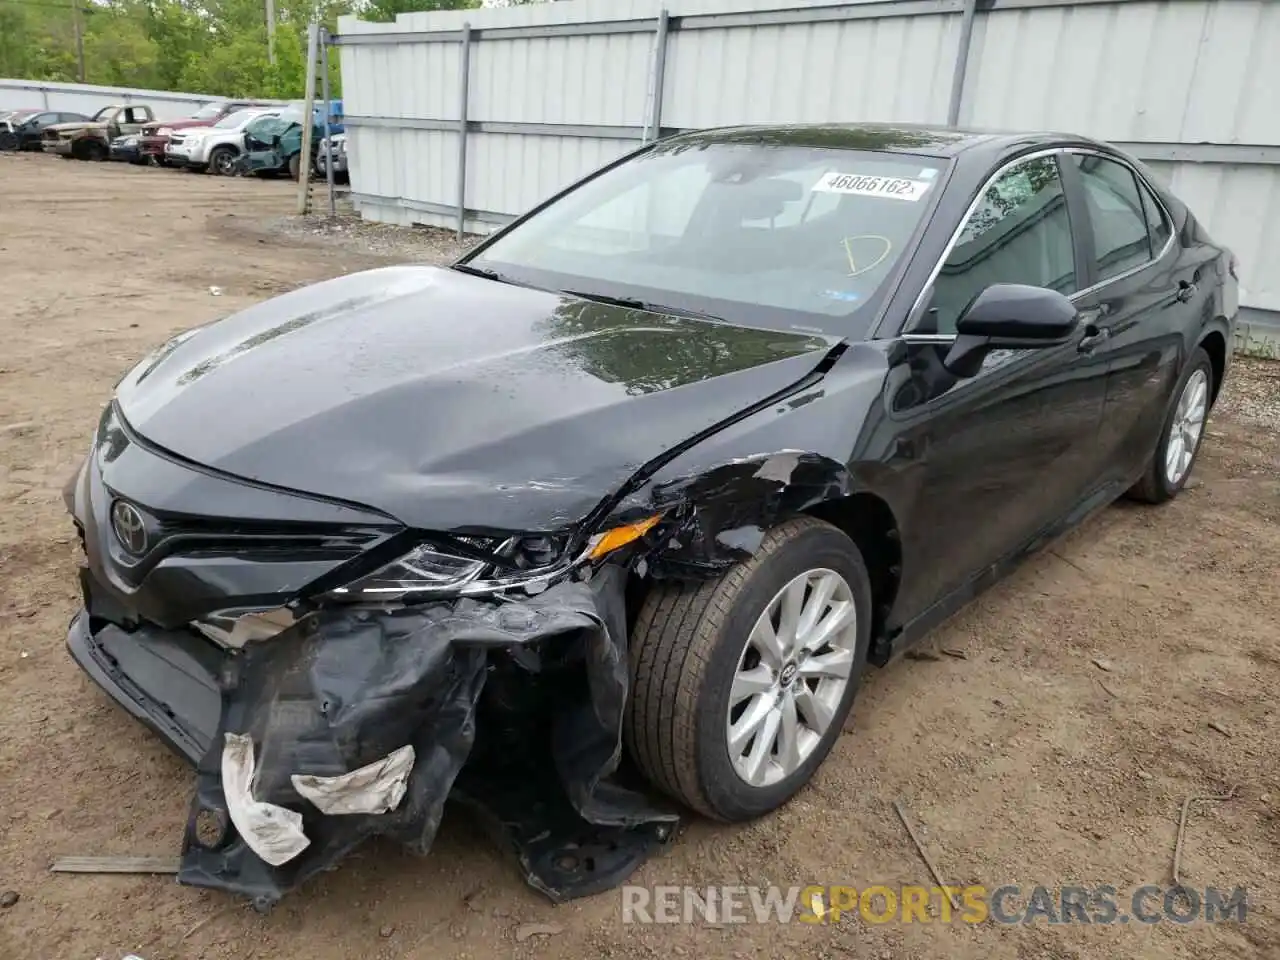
(1023,763)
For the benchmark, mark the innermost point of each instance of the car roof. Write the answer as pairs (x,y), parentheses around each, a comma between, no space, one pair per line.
(919,139)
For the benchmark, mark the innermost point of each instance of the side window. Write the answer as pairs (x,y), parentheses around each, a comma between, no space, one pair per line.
(1157,220)
(1018,233)
(1119,222)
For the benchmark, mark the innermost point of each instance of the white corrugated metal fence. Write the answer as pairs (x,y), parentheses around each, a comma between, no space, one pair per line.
(551,91)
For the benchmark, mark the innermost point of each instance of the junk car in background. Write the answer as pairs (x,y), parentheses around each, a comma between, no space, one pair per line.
(273,146)
(23,129)
(155,136)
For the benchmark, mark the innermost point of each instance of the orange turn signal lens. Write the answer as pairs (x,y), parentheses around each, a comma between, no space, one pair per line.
(611,540)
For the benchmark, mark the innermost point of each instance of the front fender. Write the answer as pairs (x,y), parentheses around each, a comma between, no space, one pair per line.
(719,497)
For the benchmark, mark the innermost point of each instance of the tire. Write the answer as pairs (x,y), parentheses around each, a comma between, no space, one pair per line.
(221,161)
(1157,484)
(68,156)
(689,643)
(9,141)
(95,151)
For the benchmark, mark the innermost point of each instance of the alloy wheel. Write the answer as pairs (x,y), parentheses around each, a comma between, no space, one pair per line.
(1185,429)
(791,677)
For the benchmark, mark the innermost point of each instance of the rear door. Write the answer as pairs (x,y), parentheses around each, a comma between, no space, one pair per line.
(1001,456)
(1147,292)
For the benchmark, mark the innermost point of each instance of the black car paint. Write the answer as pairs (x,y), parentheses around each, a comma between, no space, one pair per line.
(316,466)
(538,404)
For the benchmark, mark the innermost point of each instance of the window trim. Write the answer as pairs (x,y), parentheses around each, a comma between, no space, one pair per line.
(1143,184)
(1057,151)
(918,302)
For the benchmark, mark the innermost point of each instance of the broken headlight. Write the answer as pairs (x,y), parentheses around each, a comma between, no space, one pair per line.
(530,563)
(424,570)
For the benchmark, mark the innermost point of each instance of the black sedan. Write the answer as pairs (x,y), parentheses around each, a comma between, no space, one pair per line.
(641,484)
(23,129)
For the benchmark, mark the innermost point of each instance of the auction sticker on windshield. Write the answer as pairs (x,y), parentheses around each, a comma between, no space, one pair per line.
(896,188)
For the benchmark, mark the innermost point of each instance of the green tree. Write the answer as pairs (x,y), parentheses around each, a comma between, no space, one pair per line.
(216,47)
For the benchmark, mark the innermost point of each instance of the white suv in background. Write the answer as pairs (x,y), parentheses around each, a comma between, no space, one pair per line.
(214,148)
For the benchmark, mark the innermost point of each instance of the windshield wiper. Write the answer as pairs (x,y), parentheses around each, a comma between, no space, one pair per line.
(633,303)
(480,272)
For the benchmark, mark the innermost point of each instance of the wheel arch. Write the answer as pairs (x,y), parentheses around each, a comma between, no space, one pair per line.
(1214,343)
(720,517)
(870,523)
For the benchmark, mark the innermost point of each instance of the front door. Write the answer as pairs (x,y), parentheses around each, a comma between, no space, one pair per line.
(1000,456)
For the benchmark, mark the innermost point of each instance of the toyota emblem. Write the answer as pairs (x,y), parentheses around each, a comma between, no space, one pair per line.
(129,527)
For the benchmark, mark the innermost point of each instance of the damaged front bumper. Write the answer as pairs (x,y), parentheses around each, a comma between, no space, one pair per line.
(513,708)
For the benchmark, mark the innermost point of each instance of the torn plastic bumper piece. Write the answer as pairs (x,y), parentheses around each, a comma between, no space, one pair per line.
(343,690)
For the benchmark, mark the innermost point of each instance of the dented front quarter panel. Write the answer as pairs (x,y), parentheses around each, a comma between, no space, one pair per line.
(827,440)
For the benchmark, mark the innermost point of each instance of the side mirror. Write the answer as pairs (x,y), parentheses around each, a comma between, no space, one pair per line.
(1009,316)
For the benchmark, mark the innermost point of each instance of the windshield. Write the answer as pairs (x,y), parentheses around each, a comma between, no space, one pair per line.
(207,112)
(780,236)
(103,113)
(233,121)
(264,128)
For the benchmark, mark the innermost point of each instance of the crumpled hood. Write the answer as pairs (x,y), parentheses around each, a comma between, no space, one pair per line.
(449,401)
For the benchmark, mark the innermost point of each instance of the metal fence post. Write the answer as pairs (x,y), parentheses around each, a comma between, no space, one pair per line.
(308,119)
(463,83)
(962,62)
(328,134)
(654,126)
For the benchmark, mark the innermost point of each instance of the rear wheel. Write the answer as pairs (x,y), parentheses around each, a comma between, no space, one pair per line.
(742,684)
(222,161)
(1175,453)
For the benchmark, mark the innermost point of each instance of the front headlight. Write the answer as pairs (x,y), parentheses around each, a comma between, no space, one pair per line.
(423,571)
(529,564)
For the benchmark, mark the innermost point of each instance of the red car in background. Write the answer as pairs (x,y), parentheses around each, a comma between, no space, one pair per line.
(156,135)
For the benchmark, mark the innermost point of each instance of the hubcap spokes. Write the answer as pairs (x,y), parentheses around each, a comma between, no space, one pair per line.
(1188,422)
(791,677)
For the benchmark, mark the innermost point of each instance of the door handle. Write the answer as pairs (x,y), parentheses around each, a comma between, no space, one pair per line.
(1093,338)
(1186,291)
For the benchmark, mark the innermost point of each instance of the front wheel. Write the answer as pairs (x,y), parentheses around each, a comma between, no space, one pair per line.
(1175,453)
(742,684)
(222,161)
